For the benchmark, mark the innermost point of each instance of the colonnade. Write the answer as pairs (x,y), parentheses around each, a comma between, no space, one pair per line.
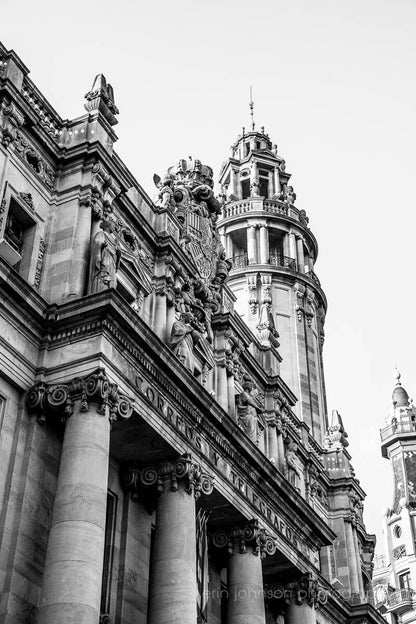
(258,246)
(71,590)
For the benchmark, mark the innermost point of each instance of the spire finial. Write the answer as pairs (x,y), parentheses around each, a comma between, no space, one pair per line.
(397,376)
(251,105)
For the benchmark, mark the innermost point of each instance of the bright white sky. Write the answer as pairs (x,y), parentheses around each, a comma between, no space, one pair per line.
(334,85)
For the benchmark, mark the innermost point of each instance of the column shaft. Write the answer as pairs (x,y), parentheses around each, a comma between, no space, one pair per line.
(301,258)
(292,245)
(273,447)
(231,396)
(352,561)
(251,245)
(300,614)
(264,244)
(71,590)
(173,592)
(286,248)
(245,587)
(276,181)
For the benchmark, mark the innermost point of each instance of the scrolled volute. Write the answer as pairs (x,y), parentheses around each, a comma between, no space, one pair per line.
(244,535)
(167,476)
(56,402)
(303,590)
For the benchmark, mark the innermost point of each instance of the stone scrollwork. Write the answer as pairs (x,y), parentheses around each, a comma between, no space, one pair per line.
(56,402)
(303,590)
(167,475)
(11,119)
(241,536)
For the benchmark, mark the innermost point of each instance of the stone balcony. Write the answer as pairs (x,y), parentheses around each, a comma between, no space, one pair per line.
(401,601)
(401,429)
(241,261)
(266,206)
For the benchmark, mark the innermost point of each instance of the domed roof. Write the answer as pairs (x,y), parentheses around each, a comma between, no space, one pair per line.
(400,397)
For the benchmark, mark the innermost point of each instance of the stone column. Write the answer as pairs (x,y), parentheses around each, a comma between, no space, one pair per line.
(292,245)
(71,589)
(301,597)
(276,181)
(221,385)
(270,185)
(301,258)
(286,246)
(352,560)
(264,244)
(246,546)
(78,275)
(233,182)
(173,589)
(251,244)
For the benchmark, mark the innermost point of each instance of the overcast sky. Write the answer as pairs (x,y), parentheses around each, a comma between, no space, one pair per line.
(334,85)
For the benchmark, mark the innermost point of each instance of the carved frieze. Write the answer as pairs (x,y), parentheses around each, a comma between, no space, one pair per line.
(11,119)
(39,264)
(33,158)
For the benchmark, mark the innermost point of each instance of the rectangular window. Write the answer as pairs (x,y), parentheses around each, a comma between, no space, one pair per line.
(404,581)
(17,230)
(245,188)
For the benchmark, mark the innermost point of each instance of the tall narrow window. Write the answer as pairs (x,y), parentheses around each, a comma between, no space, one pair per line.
(110,529)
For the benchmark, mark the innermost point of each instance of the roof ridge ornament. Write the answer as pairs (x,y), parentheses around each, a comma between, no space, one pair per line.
(251,105)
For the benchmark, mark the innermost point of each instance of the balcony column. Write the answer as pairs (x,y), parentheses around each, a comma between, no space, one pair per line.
(286,246)
(71,586)
(245,547)
(300,256)
(264,244)
(292,245)
(223,239)
(251,244)
(301,597)
(276,181)
(270,185)
(173,589)
(160,311)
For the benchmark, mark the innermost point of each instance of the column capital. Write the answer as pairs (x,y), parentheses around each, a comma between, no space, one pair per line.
(55,402)
(167,475)
(303,590)
(241,536)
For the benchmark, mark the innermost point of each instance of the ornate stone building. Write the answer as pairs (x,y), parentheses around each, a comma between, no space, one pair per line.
(166,454)
(395,570)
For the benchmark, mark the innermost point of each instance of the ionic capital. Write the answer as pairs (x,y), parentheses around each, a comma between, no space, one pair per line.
(167,476)
(56,402)
(240,536)
(303,590)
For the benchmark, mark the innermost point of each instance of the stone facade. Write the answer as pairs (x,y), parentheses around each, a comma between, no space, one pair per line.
(166,451)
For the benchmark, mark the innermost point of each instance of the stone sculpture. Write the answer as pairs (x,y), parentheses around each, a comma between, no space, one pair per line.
(182,340)
(105,258)
(247,410)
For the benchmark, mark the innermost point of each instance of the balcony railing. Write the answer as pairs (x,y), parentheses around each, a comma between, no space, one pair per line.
(401,600)
(397,427)
(283,261)
(239,261)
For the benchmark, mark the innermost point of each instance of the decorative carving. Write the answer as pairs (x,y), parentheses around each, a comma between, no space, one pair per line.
(49,401)
(399,552)
(336,436)
(241,536)
(299,306)
(252,293)
(182,340)
(11,119)
(167,475)
(28,199)
(35,161)
(248,409)
(304,589)
(292,467)
(105,258)
(39,264)
(3,205)
(101,98)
